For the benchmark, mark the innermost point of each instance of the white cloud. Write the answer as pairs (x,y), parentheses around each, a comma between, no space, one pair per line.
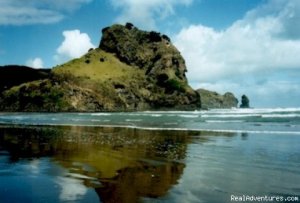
(68,5)
(265,41)
(242,48)
(71,189)
(75,44)
(26,15)
(20,12)
(145,13)
(35,63)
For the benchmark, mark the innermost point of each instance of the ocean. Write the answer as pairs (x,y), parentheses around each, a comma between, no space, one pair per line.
(221,155)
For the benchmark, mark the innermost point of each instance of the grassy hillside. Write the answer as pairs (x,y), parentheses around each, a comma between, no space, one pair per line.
(99,66)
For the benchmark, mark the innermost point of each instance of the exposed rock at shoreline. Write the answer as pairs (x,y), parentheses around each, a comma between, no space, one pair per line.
(212,100)
(131,70)
(245,103)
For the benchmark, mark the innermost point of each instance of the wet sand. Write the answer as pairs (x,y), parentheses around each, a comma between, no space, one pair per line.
(97,164)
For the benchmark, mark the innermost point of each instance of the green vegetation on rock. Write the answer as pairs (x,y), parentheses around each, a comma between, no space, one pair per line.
(34,95)
(212,100)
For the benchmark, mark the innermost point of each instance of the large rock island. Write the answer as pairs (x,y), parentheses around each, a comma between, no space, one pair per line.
(214,100)
(130,70)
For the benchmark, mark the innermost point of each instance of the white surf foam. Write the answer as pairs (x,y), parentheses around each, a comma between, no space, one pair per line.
(281,116)
(189,116)
(224,121)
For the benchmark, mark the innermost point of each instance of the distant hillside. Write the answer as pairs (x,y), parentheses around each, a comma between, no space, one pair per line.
(13,75)
(214,100)
(131,70)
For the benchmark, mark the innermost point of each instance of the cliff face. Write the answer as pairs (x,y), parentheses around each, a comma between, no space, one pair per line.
(131,70)
(150,51)
(245,103)
(212,100)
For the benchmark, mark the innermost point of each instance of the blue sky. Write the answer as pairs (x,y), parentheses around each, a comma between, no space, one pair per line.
(244,46)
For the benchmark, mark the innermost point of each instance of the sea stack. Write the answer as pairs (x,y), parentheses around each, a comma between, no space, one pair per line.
(245,102)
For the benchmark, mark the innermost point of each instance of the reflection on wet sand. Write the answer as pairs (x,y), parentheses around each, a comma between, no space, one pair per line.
(123,165)
(92,164)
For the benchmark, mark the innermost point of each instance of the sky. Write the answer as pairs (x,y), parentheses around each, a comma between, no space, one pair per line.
(247,47)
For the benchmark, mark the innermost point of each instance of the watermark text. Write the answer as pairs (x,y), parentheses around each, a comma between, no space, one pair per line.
(265,198)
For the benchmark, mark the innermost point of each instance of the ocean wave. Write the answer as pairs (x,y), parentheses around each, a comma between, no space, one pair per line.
(162,128)
(133,120)
(97,114)
(283,109)
(230,115)
(155,115)
(189,116)
(281,116)
(196,120)
(224,121)
(78,119)
(173,112)
(174,123)
(251,111)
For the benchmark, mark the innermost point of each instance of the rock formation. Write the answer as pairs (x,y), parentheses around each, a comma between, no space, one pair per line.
(149,51)
(245,102)
(212,100)
(131,70)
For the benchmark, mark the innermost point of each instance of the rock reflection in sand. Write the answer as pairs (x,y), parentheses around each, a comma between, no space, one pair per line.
(122,165)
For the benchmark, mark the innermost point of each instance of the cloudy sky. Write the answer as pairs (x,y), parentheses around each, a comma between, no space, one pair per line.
(248,47)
